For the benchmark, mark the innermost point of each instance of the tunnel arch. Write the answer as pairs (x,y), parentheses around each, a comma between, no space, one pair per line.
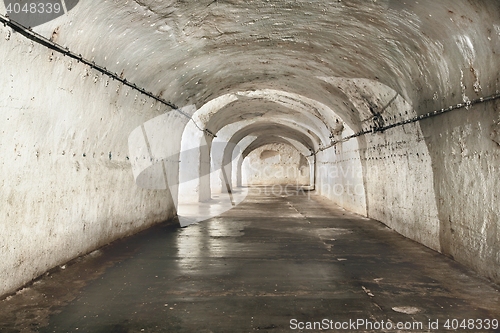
(285,129)
(396,56)
(197,167)
(262,110)
(230,109)
(265,140)
(276,163)
(414,57)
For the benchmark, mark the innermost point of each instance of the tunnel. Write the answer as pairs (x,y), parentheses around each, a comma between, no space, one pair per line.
(144,117)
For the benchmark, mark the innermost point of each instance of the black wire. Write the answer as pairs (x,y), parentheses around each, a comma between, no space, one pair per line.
(411,120)
(28,33)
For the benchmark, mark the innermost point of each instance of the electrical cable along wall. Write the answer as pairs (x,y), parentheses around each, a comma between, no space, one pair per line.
(381,127)
(28,33)
(67,184)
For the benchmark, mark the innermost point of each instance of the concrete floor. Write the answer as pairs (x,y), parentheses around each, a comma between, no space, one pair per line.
(266,262)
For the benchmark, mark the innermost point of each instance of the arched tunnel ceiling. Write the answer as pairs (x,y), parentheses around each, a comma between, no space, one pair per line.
(433,54)
(354,57)
(264,110)
(271,128)
(265,140)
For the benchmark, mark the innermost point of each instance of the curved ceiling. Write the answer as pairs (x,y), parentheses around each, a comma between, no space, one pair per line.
(274,128)
(265,140)
(248,108)
(431,53)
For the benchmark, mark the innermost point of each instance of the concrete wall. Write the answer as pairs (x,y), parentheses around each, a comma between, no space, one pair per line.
(464,149)
(399,184)
(67,186)
(398,177)
(275,163)
(385,175)
(436,182)
(339,175)
(390,181)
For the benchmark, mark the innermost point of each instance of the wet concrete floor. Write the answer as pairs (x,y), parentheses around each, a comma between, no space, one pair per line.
(274,263)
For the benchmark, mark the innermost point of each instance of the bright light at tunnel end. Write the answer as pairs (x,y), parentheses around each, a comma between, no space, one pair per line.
(157,166)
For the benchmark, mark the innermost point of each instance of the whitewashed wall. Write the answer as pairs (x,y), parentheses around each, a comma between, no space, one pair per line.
(67,187)
(276,163)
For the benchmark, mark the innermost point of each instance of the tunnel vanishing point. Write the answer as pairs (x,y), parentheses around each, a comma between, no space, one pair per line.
(117,114)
